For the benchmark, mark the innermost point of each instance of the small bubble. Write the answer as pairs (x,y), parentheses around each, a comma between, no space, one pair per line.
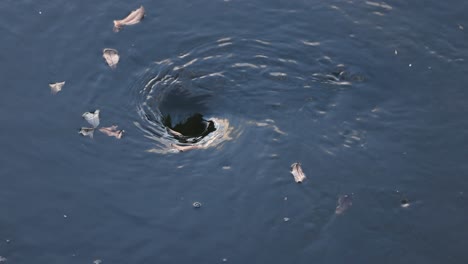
(285,198)
(224,259)
(410,65)
(405,203)
(65,216)
(396,52)
(197,204)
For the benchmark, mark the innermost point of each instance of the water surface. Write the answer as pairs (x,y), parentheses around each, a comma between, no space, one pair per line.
(369,96)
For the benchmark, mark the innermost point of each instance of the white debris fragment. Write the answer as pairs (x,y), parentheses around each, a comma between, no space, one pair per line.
(396,52)
(405,203)
(409,65)
(286,219)
(92,118)
(296,171)
(111,56)
(460,27)
(3,259)
(56,87)
(87,132)
(97,261)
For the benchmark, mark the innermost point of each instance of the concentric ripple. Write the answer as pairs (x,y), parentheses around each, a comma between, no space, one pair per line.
(205,97)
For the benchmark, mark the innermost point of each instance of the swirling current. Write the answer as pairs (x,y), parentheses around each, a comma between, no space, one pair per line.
(186,102)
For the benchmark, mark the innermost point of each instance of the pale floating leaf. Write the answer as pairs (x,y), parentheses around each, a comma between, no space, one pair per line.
(133,18)
(296,171)
(56,87)
(344,202)
(92,118)
(112,131)
(87,132)
(111,56)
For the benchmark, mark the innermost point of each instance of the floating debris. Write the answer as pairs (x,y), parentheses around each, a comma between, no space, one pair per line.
(56,87)
(396,52)
(197,204)
(286,219)
(344,202)
(2,259)
(405,203)
(133,18)
(460,27)
(92,118)
(97,261)
(87,132)
(410,65)
(224,259)
(111,56)
(296,171)
(112,131)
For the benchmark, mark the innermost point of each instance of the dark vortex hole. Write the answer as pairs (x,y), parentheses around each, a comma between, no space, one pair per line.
(194,126)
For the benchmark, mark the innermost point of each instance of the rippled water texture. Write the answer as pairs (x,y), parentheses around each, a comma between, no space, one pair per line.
(217,100)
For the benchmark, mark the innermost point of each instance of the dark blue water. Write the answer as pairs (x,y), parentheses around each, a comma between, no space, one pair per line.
(369,97)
